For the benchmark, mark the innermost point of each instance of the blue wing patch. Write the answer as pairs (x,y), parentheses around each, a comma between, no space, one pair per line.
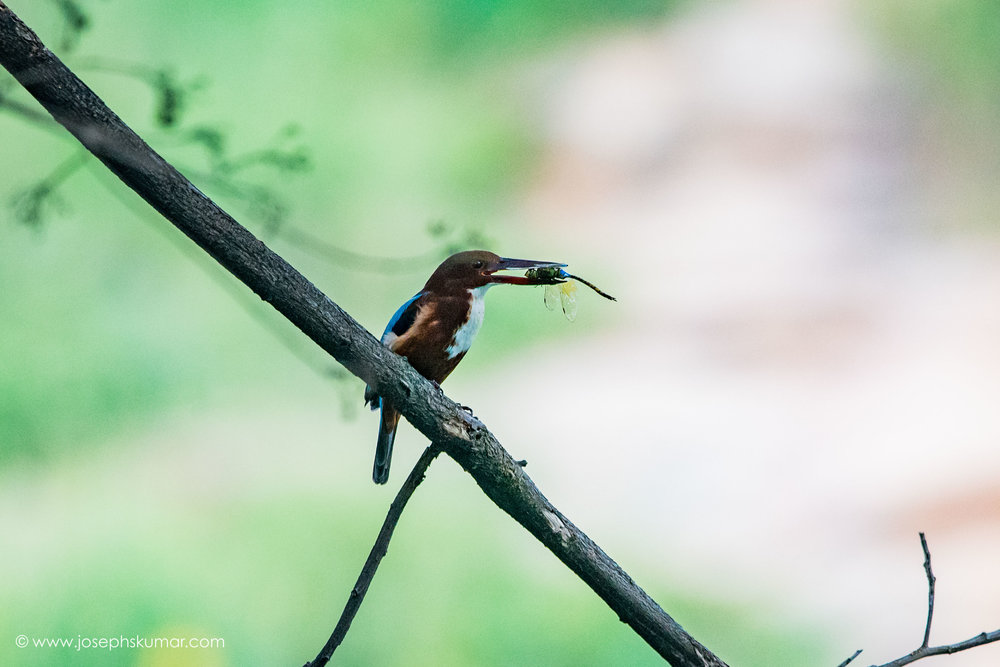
(403,318)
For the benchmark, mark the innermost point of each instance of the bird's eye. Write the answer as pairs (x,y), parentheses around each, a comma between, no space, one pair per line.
(478,264)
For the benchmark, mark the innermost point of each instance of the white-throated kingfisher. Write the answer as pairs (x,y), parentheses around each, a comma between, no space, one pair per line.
(435,328)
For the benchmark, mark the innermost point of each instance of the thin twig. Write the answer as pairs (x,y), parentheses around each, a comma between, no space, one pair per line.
(252,307)
(323,249)
(375,557)
(851,659)
(926,651)
(29,113)
(30,204)
(930,590)
(315,245)
(947,649)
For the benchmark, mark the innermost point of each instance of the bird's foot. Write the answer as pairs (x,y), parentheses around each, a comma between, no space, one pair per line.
(467,409)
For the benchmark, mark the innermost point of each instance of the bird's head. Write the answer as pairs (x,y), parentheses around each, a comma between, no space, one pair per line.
(477,268)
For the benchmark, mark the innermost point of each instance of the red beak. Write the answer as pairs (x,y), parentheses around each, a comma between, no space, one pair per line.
(507,264)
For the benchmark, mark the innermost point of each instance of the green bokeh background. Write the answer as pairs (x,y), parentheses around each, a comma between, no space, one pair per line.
(125,352)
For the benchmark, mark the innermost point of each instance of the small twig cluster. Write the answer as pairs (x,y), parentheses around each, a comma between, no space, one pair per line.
(223,171)
(925,650)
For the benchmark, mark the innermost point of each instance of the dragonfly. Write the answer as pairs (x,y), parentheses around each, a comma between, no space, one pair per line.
(560,288)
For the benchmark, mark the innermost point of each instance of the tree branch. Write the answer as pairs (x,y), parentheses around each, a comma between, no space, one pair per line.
(850,659)
(925,651)
(379,550)
(440,419)
(930,590)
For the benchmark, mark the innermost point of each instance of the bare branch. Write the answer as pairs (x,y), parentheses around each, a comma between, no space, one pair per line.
(440,419)
(930,590)
(850,659)
(926,651)
(379,550)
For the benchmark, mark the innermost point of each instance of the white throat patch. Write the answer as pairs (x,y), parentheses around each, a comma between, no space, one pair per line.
(466,333)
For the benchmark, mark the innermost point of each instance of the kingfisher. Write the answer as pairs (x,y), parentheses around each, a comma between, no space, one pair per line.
(436,327)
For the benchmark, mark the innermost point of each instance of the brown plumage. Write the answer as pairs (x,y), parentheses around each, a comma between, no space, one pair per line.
(435,328)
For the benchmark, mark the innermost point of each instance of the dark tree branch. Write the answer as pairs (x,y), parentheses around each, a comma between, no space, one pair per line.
(930,590)
(379,550)
(926,651)
(851,659)
(440,419)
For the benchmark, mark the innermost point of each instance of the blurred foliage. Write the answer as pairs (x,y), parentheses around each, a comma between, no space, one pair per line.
(950,58)
(457,32)
(75,21)
(955,41)
(461,584)
(43,199)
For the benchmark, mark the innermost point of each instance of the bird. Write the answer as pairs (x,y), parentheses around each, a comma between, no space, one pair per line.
(435,328)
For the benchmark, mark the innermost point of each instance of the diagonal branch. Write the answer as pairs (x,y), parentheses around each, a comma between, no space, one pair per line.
(981,639)
(850,659)
(440,419)
(378,551)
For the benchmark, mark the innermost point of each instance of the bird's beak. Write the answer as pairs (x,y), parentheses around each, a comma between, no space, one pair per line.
(507,264)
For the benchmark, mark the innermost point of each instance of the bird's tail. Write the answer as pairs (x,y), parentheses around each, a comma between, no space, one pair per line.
(383,449)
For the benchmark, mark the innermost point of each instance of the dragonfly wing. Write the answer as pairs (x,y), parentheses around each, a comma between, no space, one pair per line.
(551,296)
(567,295)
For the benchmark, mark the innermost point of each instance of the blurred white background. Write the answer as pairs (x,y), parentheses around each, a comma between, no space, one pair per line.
(803,370)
